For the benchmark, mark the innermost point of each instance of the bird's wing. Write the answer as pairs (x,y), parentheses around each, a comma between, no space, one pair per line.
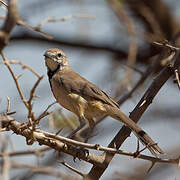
(74,83)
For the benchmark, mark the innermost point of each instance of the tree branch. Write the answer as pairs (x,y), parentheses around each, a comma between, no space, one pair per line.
(146,100)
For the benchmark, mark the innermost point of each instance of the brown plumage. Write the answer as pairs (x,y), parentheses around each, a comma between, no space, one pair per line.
(85,99)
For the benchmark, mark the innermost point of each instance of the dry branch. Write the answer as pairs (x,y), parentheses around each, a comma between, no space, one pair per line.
(39,169)
(159,81)
(67,145)
(27,103)
(4,3)
(50,19)
(128,23)
(9,24)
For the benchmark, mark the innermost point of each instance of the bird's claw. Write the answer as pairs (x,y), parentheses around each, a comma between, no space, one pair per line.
(81,152)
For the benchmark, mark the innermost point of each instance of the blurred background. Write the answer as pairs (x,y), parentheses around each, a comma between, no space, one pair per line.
(97,41)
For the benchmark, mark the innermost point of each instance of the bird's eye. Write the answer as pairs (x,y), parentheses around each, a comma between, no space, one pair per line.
(59,55)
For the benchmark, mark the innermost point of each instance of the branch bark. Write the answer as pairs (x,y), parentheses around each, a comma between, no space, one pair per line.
(10,22)
(135,115)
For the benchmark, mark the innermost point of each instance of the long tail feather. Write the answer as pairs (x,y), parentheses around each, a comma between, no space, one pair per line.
(142,135)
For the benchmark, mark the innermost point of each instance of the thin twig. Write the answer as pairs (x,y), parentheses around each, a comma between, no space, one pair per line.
(34,28)
(128,23)
(50,19)
(65,18)
(73,169)
(1,1)
(27,152)
(40,169)
(33,90)
(24,66)
(6,166)
(6,161)
(45,112)
(166,44)
(30,113)
(15,80)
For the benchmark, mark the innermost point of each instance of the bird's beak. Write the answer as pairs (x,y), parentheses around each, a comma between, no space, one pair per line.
(47,55)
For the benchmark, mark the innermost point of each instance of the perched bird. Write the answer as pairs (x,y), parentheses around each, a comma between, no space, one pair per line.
(85,99)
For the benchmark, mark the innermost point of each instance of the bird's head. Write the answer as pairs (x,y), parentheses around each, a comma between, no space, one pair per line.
(55,58)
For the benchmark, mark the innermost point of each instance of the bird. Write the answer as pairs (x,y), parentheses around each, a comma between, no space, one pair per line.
(85,99)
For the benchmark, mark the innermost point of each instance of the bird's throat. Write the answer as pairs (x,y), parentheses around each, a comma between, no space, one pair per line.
(51,73)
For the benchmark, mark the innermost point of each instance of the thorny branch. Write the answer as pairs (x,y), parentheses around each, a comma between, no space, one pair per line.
(5,158)
(22,65)
(15,78)
(50,19)
(131,59)
(14,19)
(28,103)
(69,146)
(141,107)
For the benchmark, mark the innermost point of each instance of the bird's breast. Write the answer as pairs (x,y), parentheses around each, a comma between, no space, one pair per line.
(61,95)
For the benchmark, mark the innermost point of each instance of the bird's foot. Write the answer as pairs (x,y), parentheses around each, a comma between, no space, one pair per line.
(76,130)
(81,153)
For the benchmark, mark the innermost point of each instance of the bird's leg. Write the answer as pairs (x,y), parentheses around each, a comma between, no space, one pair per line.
(82,124)
(91,127)
(91,123)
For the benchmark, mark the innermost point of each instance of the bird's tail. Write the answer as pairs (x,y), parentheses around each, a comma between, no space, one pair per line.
(142,135)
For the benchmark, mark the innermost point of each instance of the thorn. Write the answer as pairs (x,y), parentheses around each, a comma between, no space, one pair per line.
(138,145)
(35,96)
(10,113)
(115,146)
(136,154)
(8,106)
(143,103)
(59,131)
(17,77)
(72,169)
(177,77)
(153,163)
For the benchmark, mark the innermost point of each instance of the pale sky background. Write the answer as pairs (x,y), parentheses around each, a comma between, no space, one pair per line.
(92,66)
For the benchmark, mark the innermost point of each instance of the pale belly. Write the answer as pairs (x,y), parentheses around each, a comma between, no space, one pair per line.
(95,109)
